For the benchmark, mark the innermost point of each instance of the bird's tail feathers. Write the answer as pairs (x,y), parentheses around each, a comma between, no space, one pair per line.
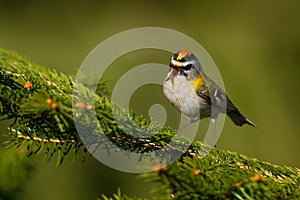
(239,119)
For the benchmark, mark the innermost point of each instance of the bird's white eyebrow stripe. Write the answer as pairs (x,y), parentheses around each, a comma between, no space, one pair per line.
(180,64)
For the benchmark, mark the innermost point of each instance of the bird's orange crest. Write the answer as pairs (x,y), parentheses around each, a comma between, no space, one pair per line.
(182,54)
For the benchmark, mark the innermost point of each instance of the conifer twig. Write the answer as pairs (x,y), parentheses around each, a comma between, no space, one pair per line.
(24,137)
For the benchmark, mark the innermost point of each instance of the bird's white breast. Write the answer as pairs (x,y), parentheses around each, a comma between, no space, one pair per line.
(180,93)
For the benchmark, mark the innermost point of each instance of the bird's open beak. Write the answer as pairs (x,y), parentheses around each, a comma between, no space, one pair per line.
(173,73)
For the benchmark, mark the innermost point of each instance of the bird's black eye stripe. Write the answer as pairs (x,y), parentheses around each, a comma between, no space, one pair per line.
(188,67)
(183,73)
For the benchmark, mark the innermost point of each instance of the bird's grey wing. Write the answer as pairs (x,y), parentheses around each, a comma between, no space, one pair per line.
(214,95)
(223,104)
(203,92)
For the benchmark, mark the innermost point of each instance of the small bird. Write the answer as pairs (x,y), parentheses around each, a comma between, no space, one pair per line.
(193,93)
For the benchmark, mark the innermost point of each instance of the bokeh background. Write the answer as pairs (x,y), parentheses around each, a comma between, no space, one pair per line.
(256,46)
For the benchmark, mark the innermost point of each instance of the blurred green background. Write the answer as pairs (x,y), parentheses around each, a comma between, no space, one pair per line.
(256,46)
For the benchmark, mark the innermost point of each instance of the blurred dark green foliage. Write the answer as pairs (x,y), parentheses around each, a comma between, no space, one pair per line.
(15,171)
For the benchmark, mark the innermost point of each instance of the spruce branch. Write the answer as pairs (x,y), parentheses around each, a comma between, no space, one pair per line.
(38,101)
(226,175)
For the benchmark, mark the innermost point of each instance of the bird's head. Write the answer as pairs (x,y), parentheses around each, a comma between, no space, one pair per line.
(184,63)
